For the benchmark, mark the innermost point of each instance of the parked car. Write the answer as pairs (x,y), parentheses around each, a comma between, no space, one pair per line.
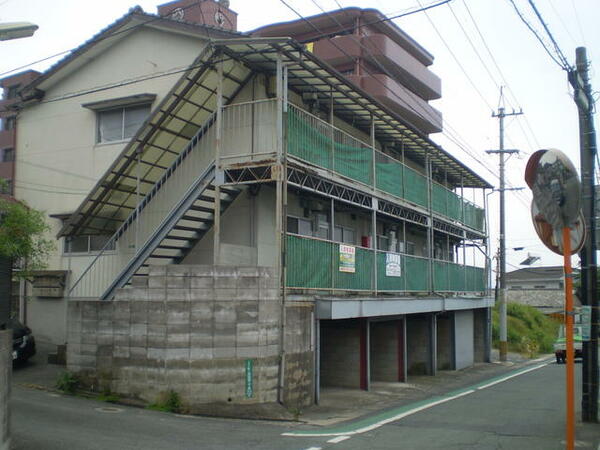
(560,345)
(23,342)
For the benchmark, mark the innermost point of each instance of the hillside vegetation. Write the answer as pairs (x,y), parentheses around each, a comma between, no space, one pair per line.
(528,331)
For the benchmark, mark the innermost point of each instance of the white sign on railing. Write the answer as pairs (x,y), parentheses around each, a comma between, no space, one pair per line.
(393,265)
(347,258)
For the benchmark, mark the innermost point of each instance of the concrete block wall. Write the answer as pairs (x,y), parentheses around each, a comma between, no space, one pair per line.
(299,355)
(340,353)
(5,376)
(445,341)
(384,351)
(418,344)
(191,329)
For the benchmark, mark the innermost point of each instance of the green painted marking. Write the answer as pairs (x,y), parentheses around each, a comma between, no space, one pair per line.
(390,414)
(249,378)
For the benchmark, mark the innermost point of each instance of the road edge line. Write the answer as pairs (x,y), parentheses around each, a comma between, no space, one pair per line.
(403,414)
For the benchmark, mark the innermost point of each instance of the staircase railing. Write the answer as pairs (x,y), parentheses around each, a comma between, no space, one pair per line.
(151,211)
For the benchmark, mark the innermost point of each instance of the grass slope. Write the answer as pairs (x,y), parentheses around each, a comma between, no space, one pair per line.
(528,330)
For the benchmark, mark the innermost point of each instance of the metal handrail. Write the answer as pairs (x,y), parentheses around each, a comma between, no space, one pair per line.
(111,243)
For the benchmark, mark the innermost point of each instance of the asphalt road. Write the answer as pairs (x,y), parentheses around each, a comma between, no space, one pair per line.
(522,412)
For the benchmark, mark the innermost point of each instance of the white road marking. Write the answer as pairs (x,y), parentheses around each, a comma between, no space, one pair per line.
(314,448)
(410,412)
(508,377)
(385,421)
(337,440)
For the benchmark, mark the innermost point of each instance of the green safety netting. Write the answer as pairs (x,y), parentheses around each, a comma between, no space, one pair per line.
(417,273)
(415,187)
(350,158)
(315,264)
(456,277)
(309,263)
(440,276)
(439,199)
(353,161)
(389,177)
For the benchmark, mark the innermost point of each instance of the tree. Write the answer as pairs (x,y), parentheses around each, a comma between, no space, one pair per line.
(22,236)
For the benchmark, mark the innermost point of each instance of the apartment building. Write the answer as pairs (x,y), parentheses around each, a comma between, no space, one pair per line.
(249,229)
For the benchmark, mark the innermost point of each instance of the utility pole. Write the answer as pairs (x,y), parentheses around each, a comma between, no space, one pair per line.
(584,100)
(501,292)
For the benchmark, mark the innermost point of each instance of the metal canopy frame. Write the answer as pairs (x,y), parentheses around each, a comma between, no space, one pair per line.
(193,100)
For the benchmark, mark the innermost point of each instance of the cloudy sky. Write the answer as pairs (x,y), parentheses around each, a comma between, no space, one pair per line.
(479,45)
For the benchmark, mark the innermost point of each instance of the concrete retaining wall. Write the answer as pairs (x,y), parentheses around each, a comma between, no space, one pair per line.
(385,352)
(340,353)
(5,376)
(193,329)
(445,341)
(418,344)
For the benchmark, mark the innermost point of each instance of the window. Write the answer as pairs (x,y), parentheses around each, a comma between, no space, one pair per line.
(8,155)
(299,226)
(383,243)
(345,235)
(10,122)
(321,226)
(542,286)
(121,123)
(87,243)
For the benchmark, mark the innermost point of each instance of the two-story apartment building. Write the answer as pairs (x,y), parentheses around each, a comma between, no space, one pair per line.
(255,226)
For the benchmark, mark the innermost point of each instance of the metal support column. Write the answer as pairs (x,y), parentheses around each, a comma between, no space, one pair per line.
(218,168)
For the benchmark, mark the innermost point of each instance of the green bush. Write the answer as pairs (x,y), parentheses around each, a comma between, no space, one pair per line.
(67,382)
(528,330)
(167,402)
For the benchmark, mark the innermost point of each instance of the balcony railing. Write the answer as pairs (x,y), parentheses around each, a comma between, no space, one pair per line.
(317,142)
(315,264)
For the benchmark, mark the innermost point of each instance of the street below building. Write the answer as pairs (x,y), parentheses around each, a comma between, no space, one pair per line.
(520,409)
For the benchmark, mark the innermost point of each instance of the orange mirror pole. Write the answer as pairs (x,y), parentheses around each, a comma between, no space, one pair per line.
(570,366)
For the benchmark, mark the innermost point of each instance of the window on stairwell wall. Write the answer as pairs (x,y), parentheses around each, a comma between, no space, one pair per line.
(120,123)
(87,244)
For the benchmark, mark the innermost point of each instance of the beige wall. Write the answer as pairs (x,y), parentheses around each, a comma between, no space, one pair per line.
(58,160)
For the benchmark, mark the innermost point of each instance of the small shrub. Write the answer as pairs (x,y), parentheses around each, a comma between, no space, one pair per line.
(109,397)
(167,402)
(67,382)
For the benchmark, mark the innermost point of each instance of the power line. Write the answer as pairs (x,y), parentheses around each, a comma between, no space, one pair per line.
(578,21)
(154,18)
(457,61)
(473,46)
(564,61)
(535,33)
(504,80)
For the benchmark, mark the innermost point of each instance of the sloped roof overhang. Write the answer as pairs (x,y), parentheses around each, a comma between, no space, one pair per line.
(192,102)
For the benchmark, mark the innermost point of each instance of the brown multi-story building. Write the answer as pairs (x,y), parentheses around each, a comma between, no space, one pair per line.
(8,118)
(377,56)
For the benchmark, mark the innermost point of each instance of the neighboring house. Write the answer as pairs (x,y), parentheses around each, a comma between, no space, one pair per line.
(8,124)
(541,287)
(253,228)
